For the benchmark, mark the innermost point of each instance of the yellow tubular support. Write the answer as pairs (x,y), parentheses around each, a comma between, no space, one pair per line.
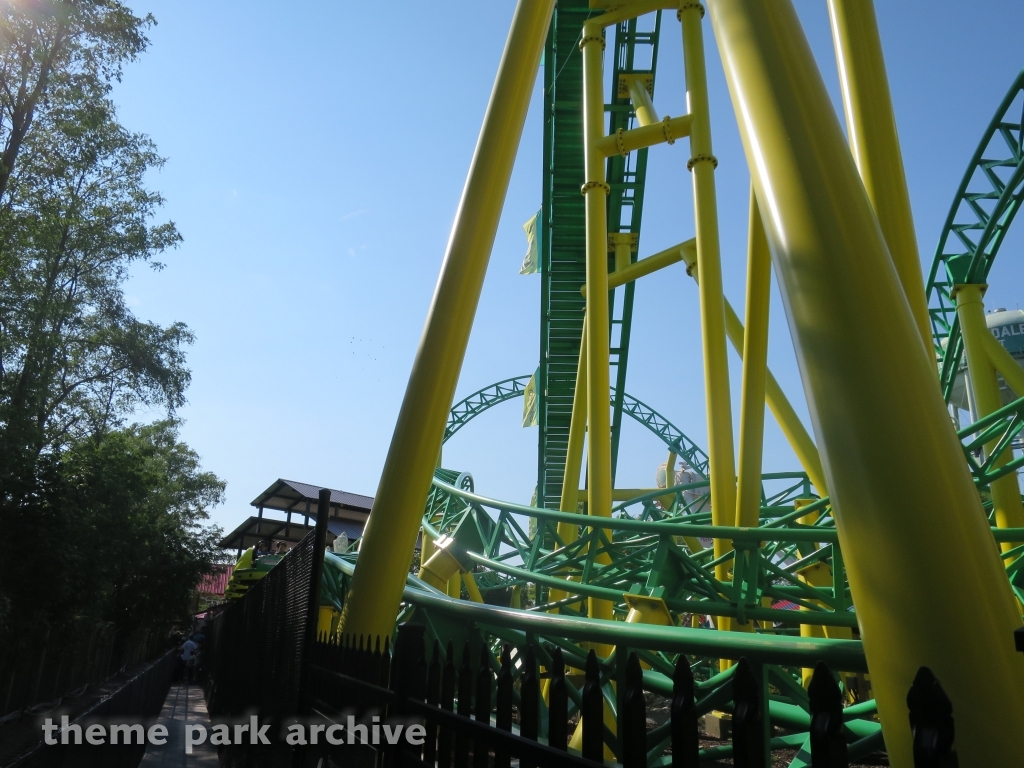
(426,546)
(646,114)
(875,144)
(387,544)
(1003,362)
(755,370)
(650,264)
(796,434)
(595,191)
(622,244)
(454,586)
(665,131)
(712,304)
(819,575)
(569,502)
(439,569)
(471,587)
(929,586)
(577,437)
(1008,512)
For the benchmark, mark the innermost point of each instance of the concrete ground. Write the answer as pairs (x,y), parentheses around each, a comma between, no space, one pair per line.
(184,704)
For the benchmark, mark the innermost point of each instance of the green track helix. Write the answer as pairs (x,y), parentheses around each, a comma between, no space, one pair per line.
(786,573)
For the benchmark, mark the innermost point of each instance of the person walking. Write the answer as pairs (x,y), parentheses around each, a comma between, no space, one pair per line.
(188,650)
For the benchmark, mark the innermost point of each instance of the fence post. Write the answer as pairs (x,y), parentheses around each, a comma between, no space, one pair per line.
(828,741)
(529,694)
(592,711)
(750,748)
(433,698)
(685,729)
(633,718)
(484,684)
(465,707)
(558,703)
(931,722)
(407,672)
(444,737)
(503,702)
(386,658)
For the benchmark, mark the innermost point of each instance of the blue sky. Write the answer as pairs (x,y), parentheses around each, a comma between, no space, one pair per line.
(316,155)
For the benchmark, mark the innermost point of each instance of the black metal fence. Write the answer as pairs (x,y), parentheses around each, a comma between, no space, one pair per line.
(137,702)
(466,710)
(258,649)
(46,670)
(461,707)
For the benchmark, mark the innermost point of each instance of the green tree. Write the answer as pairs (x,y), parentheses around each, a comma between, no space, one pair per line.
(53,47)
(73,357)
(75,215)
(108,519)
(115,534)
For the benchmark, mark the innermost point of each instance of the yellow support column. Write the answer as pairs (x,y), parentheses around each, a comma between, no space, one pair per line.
(595,190)
(702,165)
(569,501)
(755,370)
(387,544)
(876,145)
(712,305)
(793,429)
(454,586)
(929,586)
(1003,362)
(970,308)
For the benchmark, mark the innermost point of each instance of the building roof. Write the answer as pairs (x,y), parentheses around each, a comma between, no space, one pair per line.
(292,496)
(255,530)
(216,582)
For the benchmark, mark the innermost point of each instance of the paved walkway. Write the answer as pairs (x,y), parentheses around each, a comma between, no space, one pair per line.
(184,704)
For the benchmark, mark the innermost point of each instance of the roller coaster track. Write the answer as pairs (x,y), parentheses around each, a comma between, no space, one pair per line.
(563,243)
(659,540)
(535,575)
(984,207)
(472,406)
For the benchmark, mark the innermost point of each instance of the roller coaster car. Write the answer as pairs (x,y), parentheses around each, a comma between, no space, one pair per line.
(260,568)
(243,577)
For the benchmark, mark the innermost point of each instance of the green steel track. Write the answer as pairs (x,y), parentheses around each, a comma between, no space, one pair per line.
(473,405)
(536,581)
(658,544)
(563,243)
(984,207)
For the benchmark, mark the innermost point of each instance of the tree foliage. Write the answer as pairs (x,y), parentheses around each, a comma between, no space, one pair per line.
(55,50)
(111,514)
(113,532)
(75,216)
